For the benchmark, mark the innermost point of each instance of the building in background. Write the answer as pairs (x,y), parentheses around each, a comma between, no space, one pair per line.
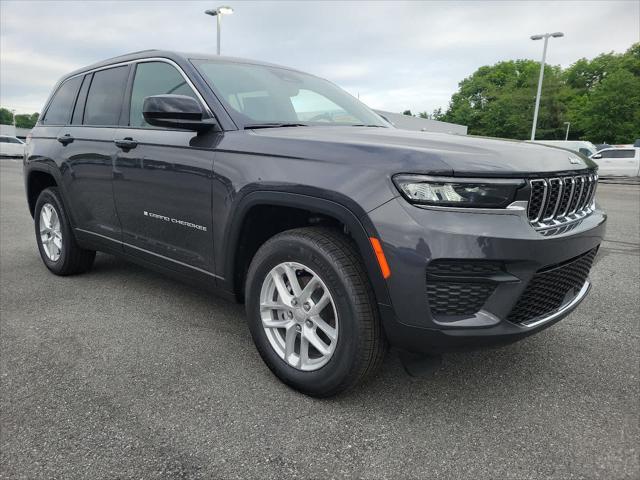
(406,122)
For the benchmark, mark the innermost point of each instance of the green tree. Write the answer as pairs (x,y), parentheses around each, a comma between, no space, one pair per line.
(6,117)
(27,120)
(600,97)
(408,112)
(498,101)
(605,103)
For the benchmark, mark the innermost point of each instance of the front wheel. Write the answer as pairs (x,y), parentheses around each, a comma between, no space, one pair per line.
(312,313)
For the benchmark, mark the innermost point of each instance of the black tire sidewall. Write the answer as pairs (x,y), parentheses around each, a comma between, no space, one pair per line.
(50,195)
(344,361)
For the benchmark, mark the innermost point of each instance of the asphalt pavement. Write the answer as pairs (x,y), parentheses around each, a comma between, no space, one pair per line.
(125,373)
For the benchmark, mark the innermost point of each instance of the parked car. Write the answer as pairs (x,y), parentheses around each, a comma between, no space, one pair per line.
(618,161)
(340,233)
(585,148)
(11,147)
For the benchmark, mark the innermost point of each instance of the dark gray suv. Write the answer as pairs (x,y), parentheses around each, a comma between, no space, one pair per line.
(339,232)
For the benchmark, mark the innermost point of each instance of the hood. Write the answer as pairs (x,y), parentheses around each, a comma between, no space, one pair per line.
(404,151)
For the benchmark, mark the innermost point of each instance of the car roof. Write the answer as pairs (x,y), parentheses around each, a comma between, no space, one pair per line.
(177,57)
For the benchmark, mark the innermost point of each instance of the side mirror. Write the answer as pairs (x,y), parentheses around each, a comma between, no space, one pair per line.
(176,111)
(596,156)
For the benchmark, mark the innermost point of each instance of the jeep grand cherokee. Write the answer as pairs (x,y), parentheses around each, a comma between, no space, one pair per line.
(339,232)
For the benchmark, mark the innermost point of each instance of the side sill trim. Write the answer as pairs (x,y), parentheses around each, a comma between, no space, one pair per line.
(177,262)
(569,306)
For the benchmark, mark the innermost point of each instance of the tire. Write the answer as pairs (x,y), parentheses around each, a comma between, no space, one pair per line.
(351,314)
(62,255)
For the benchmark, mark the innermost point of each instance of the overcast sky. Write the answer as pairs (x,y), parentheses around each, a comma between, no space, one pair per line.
(395,55)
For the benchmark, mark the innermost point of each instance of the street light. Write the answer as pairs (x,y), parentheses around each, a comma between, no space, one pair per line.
(544,57)
(218,13)
(566,137)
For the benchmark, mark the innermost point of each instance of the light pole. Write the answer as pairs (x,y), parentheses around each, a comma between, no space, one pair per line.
(566,137)
(218,13)
(544,57)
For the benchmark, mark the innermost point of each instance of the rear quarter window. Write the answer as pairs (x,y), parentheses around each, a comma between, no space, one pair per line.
(59,110)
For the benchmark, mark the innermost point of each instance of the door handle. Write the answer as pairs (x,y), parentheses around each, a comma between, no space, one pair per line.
(126,143)
(66,139)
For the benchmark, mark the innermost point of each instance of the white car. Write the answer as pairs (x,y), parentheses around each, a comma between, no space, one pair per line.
(618,162)
(11,147)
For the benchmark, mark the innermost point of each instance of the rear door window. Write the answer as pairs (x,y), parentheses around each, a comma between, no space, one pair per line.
(155,78)
(59,111)
(626,153)
(104,100)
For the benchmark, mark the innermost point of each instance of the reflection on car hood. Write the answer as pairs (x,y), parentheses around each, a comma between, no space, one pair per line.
(419,152)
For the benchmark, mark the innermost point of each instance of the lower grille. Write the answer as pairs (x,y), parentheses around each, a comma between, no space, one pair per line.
(548,289)
(458,287)
(450,298)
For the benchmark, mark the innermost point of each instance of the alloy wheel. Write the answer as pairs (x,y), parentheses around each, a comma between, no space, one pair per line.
(50,232)
(299,316)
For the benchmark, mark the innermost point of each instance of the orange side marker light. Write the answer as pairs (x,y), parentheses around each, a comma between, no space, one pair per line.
(382,260)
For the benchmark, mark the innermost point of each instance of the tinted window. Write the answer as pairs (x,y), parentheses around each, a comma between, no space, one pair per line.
(625,154)
(155,78)
(60,107)
(4,140)
(105,97)
(586,151)
(79,108)
(618,154)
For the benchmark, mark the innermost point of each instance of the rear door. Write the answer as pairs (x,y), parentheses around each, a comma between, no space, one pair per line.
(163,177)
(89,153)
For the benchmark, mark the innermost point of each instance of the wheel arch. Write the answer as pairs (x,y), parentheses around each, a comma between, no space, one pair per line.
(352,217)
(35,182)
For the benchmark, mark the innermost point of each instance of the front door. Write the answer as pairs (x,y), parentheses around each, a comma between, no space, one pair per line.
(162,178)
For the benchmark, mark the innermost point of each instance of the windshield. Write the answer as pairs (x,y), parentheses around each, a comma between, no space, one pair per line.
(263,95)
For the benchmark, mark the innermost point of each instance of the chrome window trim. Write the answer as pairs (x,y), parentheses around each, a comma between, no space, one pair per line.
(131,62)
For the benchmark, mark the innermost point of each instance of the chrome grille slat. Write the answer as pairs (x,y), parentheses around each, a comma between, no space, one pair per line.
(570,185)
(557,201)
(535,212)
(585,201)
(578,194)
(554,188)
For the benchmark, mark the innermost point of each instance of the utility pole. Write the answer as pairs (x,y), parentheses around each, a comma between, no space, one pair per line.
(544,58)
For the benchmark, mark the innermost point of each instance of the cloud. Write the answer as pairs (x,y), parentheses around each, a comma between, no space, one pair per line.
(396,55)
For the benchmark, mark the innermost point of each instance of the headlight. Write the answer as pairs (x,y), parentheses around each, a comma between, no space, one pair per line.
(458,192)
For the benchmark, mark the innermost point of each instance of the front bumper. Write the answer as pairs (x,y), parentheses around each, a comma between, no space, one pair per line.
(414,237)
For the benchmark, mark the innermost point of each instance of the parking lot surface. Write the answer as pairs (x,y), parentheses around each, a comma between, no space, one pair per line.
(124,373)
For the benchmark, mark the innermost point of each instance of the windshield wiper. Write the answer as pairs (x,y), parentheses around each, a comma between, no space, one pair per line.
(364,125)
(274,125)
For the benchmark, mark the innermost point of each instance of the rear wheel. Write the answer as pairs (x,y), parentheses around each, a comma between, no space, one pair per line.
(312,312)
(56,243)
